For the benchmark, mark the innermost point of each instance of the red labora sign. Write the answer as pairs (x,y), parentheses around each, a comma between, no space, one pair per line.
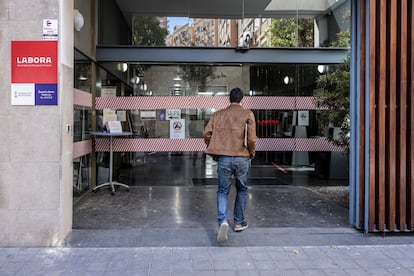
(34,72)
(34,62)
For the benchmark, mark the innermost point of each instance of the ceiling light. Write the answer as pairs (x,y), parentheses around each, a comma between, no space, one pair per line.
(78,20)
(123,67)
(321,69)
(287,80)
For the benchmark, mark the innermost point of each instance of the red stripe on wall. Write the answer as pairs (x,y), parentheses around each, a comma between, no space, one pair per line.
(197,144)
(274,103)
(82,148)
(82,98)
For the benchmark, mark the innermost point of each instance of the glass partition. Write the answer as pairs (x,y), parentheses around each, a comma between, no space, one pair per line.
(87,83)
(82,123)
(292,130)
(279,24)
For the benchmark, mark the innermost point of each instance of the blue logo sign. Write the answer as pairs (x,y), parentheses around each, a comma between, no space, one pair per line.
(46,94)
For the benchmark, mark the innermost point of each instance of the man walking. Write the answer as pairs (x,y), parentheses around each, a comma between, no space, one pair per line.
(230,136)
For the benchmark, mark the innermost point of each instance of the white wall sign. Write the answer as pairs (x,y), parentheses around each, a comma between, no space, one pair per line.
(177,129)
(50,29)
(114,126)
(148,114)
(121,115)
(109,115)
(108,91)
(173,114)
(23,94)
(303,118)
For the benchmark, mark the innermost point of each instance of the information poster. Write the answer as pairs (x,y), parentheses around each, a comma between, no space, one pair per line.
(108,91)
(34,73)
(121,115)
(114,126)
(172,114)
(148,114)
(177,129)
(303,118)
(50,29)
(109,115)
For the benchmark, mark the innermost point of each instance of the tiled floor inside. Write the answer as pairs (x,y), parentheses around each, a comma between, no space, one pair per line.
(172,200)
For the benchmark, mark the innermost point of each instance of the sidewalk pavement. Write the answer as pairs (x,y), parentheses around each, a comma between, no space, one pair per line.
(272,260)
(287,252)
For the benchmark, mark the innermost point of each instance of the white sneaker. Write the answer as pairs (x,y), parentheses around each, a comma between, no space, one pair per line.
(222,233)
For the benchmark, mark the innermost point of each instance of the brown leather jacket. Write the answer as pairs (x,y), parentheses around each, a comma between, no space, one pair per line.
(225,132)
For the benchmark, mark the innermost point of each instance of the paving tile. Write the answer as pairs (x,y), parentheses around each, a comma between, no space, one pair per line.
(137,273)
(312,272)
(117,266)
(160,265)
(400,272)
(223,265)
(225,273)
(205,273)
(285,264)
(260,256)
(201,264)
(291,272)
(271,272)
(335,272)
(247,273)
(181,265)
(349,260)
(96,266)
(264,265)
(159,273)
(244,264)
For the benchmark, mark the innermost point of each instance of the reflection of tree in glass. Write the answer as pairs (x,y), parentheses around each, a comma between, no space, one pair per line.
(198,75)
(343,38)
(335,97)
(148,32)
(287,32)
(336,89)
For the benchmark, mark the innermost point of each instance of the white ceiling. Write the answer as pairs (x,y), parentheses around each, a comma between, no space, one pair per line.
(194,8)
(224,8)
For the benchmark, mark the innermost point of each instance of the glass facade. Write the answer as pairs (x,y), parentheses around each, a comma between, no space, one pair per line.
(282,25)
(291,128)
(281,118)
(82,124)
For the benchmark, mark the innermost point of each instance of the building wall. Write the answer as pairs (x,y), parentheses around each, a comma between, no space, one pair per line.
(36,150)
(85,39)
(112,28)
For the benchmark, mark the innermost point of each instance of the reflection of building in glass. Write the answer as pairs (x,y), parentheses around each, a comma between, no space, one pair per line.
(180,37)
(307,31)
(202,32)
(259,29)
(221,32)
(227,32)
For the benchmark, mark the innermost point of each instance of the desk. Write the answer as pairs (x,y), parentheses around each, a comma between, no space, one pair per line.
(111,182)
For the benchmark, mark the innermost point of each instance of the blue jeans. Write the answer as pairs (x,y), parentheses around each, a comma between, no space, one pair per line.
(227,166)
